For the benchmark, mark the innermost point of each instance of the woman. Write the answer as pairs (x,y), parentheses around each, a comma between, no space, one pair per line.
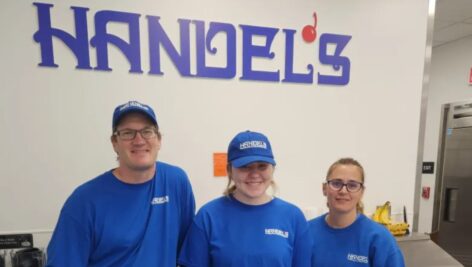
(344,236)
(247,227)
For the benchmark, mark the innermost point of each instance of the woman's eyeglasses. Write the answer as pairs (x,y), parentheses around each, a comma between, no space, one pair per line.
(351,186)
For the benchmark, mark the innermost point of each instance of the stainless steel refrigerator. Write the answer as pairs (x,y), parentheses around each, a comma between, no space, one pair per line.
(452,216)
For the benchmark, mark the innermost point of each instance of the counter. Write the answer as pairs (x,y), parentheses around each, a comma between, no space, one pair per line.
(420,251)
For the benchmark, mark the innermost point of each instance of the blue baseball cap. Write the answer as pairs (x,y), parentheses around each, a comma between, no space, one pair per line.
(132,106)
(248,147)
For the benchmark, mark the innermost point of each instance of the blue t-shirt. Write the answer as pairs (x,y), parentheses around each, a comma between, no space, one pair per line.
(228,233)
(363,243)
(106,222)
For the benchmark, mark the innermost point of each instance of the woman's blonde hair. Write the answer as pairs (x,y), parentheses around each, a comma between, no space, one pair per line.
(349,161)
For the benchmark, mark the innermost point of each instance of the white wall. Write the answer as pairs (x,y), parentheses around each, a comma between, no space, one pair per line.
(450,68)
(55,122)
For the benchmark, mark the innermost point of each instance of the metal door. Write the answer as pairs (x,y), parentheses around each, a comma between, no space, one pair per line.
(454,214)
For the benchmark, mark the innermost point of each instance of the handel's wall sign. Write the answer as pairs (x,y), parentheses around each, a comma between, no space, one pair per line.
(81,45)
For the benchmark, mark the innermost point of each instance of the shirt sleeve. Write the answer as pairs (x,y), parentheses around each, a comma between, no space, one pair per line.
(187,211)
(196,248)
(70,244)
(395,258)
(388,253)
(303,244)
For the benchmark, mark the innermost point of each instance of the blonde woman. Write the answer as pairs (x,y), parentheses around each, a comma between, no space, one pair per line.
(247,227)
(344,236)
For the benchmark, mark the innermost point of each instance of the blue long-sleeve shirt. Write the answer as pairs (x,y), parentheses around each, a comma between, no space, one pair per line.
(106,222)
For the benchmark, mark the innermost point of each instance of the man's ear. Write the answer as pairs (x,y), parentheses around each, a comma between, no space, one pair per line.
(114,143)
(159,144)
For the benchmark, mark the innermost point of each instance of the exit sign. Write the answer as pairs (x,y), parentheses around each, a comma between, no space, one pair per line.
(428,167)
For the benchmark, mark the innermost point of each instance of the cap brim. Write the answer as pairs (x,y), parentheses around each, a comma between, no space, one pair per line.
(134,110)
(240,162)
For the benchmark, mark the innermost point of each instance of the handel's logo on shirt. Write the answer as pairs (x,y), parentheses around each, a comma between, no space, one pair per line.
(278,232)
(160,200)
(357,258)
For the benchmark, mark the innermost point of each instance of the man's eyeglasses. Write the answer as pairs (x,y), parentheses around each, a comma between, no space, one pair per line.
(130,134)
(351,186)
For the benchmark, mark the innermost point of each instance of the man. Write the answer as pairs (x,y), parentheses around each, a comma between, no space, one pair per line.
(134,215)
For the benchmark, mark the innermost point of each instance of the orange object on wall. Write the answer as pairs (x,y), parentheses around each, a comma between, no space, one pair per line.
(219,164)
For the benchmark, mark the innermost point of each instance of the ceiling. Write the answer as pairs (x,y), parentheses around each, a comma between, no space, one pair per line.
(452,21)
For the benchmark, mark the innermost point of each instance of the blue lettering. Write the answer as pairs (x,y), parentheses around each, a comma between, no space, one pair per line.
(158,37)
(206,47)
(101,39)
(78,45)
(335,60)
(290,76)
(250,51)
(204,44)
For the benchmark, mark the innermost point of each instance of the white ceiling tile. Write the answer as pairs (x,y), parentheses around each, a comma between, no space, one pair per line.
(469,20)
(454,32)
(453,10)
(452,21)
(437,43)
(441,24)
